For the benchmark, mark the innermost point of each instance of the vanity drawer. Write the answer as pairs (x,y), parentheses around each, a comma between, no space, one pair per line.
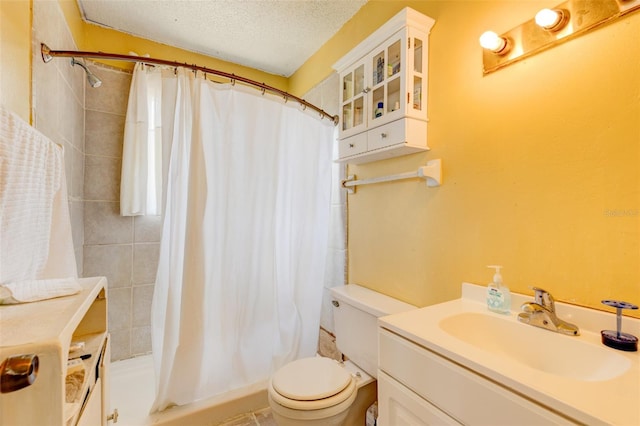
(462,394)
(356,144)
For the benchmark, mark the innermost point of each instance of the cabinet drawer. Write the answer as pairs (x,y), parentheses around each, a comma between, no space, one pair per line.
(354,145)
(386,135)
(459,392)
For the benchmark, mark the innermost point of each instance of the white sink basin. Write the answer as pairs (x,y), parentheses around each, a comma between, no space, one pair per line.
(540,349)
(576,376)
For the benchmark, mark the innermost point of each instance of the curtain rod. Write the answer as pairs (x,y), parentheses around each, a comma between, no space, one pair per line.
(48,55)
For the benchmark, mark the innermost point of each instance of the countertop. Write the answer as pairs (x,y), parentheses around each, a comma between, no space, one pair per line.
(613,401)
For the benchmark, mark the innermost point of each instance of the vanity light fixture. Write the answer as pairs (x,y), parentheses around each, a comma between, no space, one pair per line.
(493,42)
(549,28)
(552,19)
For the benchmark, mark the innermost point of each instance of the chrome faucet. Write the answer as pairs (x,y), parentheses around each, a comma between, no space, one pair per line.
(542,313)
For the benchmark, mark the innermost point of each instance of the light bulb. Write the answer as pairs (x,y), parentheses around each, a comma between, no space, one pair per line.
(550,19)
(492,41)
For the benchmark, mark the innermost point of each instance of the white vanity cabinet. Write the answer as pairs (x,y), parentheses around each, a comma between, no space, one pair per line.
(383,91)
(456,362)
(46,329)
(421,387)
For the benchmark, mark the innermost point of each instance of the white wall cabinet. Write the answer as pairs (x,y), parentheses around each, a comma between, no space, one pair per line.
(383,91)
(46,329)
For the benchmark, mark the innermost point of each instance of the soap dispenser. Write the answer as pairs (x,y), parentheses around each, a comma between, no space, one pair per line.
(498,294)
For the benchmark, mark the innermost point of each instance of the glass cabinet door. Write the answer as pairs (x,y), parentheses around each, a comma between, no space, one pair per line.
(388,66)
(377,100)
(359,94)
(393,76)
(417,80)
(353,95)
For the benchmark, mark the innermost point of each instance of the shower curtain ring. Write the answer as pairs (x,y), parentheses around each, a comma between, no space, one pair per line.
(233,80)
(263,90)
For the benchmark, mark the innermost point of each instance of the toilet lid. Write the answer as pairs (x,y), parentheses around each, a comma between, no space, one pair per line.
(310,379)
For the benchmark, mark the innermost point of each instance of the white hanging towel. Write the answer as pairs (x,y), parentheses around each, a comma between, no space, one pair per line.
(35,228)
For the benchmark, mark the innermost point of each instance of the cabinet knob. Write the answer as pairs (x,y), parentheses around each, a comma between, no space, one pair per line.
(366,90)
(351,145)
(113,416)
(18,371)
(383,135)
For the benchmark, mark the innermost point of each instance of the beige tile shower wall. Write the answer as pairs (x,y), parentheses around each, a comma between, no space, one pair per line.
(124,249)
(58,107)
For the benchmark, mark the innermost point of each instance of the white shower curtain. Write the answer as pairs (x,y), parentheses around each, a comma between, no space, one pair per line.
(242,257)
(141,181)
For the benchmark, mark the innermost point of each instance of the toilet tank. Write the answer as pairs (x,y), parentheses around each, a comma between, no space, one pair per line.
(355,314)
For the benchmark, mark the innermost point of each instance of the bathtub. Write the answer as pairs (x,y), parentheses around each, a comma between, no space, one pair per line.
(132,393)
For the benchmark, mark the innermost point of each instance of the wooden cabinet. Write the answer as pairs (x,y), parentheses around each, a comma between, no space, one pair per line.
(383,89)
(46,329)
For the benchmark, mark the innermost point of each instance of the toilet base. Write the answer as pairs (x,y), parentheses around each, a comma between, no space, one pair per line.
(354,416)
(288,417)
(282,421)
(367,395)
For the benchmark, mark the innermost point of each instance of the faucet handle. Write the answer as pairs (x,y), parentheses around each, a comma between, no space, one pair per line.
(544,298)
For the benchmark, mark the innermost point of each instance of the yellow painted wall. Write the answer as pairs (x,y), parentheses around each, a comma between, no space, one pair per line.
(15,56)
(541,164)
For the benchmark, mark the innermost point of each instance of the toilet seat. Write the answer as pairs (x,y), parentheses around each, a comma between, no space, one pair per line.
(312,384)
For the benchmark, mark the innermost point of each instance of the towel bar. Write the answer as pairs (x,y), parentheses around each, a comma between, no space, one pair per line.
(432,172)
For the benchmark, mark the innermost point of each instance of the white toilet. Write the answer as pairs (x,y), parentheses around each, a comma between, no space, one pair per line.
(322,391)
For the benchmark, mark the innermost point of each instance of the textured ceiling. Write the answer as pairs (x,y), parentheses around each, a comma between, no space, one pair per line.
(276,36)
